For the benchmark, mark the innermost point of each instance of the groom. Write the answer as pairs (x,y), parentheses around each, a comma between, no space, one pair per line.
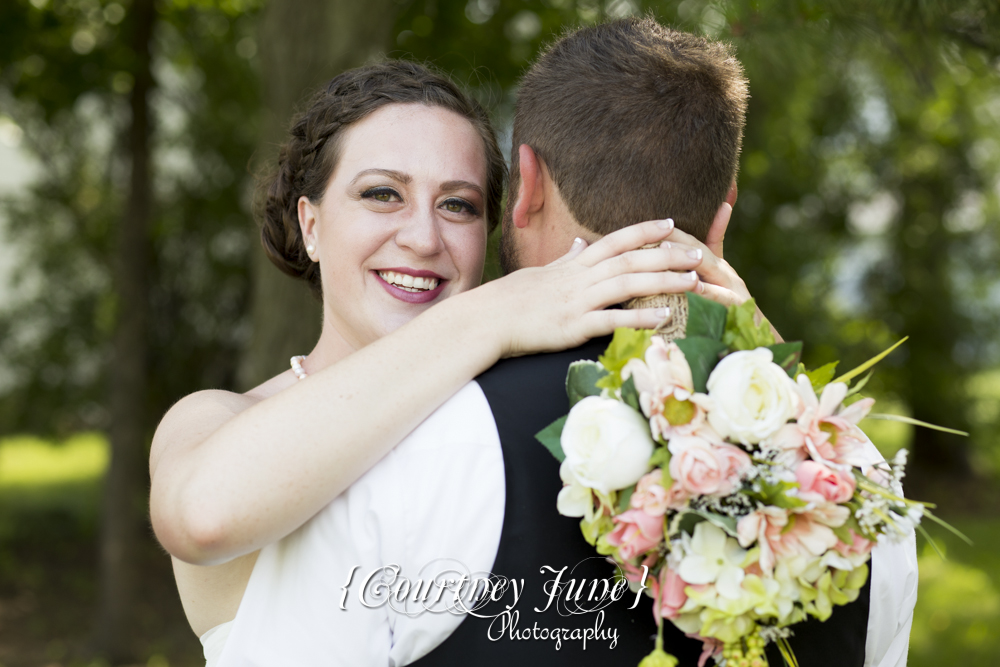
(615,124)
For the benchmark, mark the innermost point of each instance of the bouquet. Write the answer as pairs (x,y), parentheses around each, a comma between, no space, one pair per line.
(731,481)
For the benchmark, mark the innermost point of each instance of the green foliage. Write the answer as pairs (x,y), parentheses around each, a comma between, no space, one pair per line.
(706,319)
(65,79)
(822,376)
(581,380)
(626,344)
(742,333)
(702,354)
(550,436)
(787,355)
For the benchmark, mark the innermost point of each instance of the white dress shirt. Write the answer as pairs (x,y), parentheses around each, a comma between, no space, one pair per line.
(439,494)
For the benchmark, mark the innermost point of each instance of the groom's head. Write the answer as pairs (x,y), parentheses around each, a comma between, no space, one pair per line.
(619,123)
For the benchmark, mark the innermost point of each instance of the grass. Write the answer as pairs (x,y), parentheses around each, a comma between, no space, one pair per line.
(49,523)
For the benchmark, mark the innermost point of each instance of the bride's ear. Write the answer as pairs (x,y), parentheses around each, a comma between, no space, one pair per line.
(530,189)
(307,225)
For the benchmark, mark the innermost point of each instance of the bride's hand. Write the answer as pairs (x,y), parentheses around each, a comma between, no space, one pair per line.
(718,279)
(563,304)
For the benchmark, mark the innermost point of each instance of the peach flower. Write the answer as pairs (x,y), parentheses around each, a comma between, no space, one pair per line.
(781,534)
(824,430)
(636,533)
(817,483)
(700,467)
(666,391)
(650,496)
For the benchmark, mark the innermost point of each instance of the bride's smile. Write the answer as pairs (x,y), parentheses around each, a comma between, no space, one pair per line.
(401,225)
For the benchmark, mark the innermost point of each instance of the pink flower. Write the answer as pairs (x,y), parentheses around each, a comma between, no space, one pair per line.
(670,595)
(700,467)
(710,648)
(824,430)
(650,496)
(636,533)
(817,483)
(859,546)
(666,391)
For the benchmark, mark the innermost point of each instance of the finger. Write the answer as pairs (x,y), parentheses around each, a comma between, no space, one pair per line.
(720,294)
(713,268)
(604,322)
(578,246)
(717,232)
(667,257)
(628,238)
(630,285)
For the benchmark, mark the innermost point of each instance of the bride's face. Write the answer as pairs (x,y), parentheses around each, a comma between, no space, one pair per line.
(401,225)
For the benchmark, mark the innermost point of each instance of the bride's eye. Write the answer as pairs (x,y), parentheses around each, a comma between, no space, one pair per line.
(381,194)
(455,205)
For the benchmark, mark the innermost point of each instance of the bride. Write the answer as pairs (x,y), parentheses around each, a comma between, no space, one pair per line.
(382,201)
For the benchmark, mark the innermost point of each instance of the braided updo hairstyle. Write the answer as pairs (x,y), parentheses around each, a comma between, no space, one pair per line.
(307,160)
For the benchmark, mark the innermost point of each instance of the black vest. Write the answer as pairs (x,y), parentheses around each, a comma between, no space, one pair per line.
(526,394)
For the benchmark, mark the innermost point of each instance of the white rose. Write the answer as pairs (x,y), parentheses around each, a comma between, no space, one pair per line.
(752,397)
(607,444)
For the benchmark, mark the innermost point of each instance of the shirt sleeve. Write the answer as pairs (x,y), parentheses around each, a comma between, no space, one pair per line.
(893,595)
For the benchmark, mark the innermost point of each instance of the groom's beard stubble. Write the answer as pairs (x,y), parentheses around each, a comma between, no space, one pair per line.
(509,260)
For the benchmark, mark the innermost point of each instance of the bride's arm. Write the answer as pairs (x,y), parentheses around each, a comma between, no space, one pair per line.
(230,475)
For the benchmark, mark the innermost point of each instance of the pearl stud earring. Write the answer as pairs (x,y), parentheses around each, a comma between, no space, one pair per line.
(310,249)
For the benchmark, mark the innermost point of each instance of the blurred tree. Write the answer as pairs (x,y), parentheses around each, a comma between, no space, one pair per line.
(304,43)
(131,291)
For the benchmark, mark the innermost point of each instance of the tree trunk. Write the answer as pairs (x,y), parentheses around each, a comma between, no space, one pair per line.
(303,44)
(123,511)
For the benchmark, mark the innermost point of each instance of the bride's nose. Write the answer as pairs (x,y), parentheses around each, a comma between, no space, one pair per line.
(421,233)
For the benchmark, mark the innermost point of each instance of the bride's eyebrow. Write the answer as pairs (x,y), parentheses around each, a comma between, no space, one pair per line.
(451,186)
(389,173)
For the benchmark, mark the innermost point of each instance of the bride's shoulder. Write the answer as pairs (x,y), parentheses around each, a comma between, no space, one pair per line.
(196,416)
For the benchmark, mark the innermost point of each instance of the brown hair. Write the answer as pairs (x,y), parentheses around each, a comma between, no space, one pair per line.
(635,121)
(307,161)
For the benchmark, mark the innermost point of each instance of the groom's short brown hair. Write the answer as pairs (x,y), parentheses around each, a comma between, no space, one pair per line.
(635,121)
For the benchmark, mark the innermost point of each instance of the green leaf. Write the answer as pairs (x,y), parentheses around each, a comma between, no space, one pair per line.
(774,494)
(821,377)
(787,356)
(706,318)
(630,396)
(625,345)
(660,458)
(692,518)
(624,496)
(581,380)
(550,437)
(742,333)
(868,364)
(594,529)
(702,354)
(915,422)
(860,384)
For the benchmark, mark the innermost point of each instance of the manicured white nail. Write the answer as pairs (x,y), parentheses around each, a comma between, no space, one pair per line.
(662,313)
(577,241)
(666,224)
(694,253)
(692,276)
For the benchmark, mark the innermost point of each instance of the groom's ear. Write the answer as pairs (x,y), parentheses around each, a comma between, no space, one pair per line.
(530,189)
